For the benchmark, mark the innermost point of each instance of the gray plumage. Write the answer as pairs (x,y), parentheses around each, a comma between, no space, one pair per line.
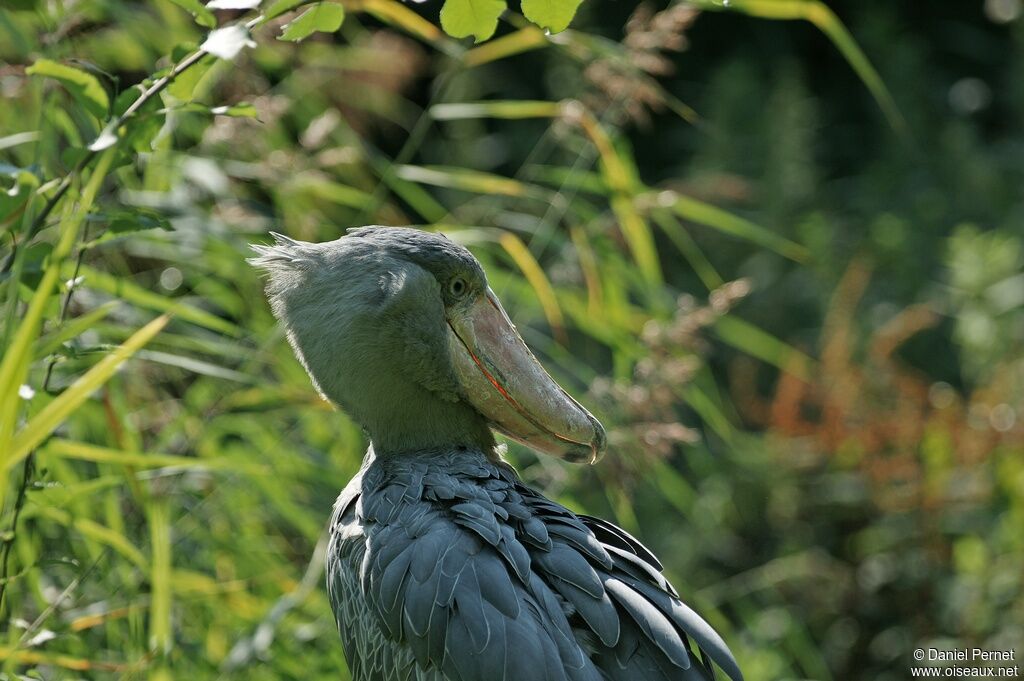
(443,565)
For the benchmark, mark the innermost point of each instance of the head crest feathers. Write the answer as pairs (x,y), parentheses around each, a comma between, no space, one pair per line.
(286,253)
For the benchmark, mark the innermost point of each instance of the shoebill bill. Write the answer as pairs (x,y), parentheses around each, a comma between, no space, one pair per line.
(442,564)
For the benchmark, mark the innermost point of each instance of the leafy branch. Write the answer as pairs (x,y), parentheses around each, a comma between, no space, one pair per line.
(224,43)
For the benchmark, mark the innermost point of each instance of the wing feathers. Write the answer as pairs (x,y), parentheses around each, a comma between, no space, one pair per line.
(483,579)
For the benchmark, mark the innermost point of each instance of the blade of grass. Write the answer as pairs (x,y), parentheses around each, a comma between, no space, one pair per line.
(82,451)
(712,216)
(634,228)
(98,533)
(828,23)
(397,14)
(539,281)
(689,249)
(160,633)
(314,186)
(709,412)
(569,178)
(508,110)
(74,328)
(53,414)
(196,366)
(133,293)
(591,271)
(524,40)
(418,198)
(756,342)
(19,354)
(469,180)
(78,664)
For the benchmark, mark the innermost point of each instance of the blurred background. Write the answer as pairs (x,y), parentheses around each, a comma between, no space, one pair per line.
(790,285)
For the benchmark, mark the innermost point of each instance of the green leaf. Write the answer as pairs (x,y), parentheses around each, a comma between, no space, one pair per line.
(323,16)
(240,110)
(203,16)
(135,220)
(34,263)
(13,196)
(82,85)
(553,15)
(477,18)
(280,7)
(184,86)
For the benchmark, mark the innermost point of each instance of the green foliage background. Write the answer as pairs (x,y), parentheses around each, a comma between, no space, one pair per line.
(796,300)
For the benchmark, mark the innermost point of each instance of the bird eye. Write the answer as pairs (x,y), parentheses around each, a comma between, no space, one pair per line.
(457,287)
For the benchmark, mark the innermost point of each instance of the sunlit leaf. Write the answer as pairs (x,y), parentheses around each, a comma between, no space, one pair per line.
(524,40)
(82,85)
(233,4)
(240,110)
(227,42)
(325,17)
(469,180)
(106,139)
(553,15)
(398,15)
(477,18)
(160,635)
(17,138)
(183,87)
(496,109)
(534,274)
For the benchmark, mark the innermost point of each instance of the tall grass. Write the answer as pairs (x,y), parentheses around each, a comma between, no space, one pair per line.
(167,470)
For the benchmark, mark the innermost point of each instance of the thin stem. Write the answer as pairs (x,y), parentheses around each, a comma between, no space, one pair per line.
(113,124)
(28,468)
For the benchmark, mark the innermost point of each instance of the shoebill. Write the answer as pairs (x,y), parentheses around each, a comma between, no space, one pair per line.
(442,564)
